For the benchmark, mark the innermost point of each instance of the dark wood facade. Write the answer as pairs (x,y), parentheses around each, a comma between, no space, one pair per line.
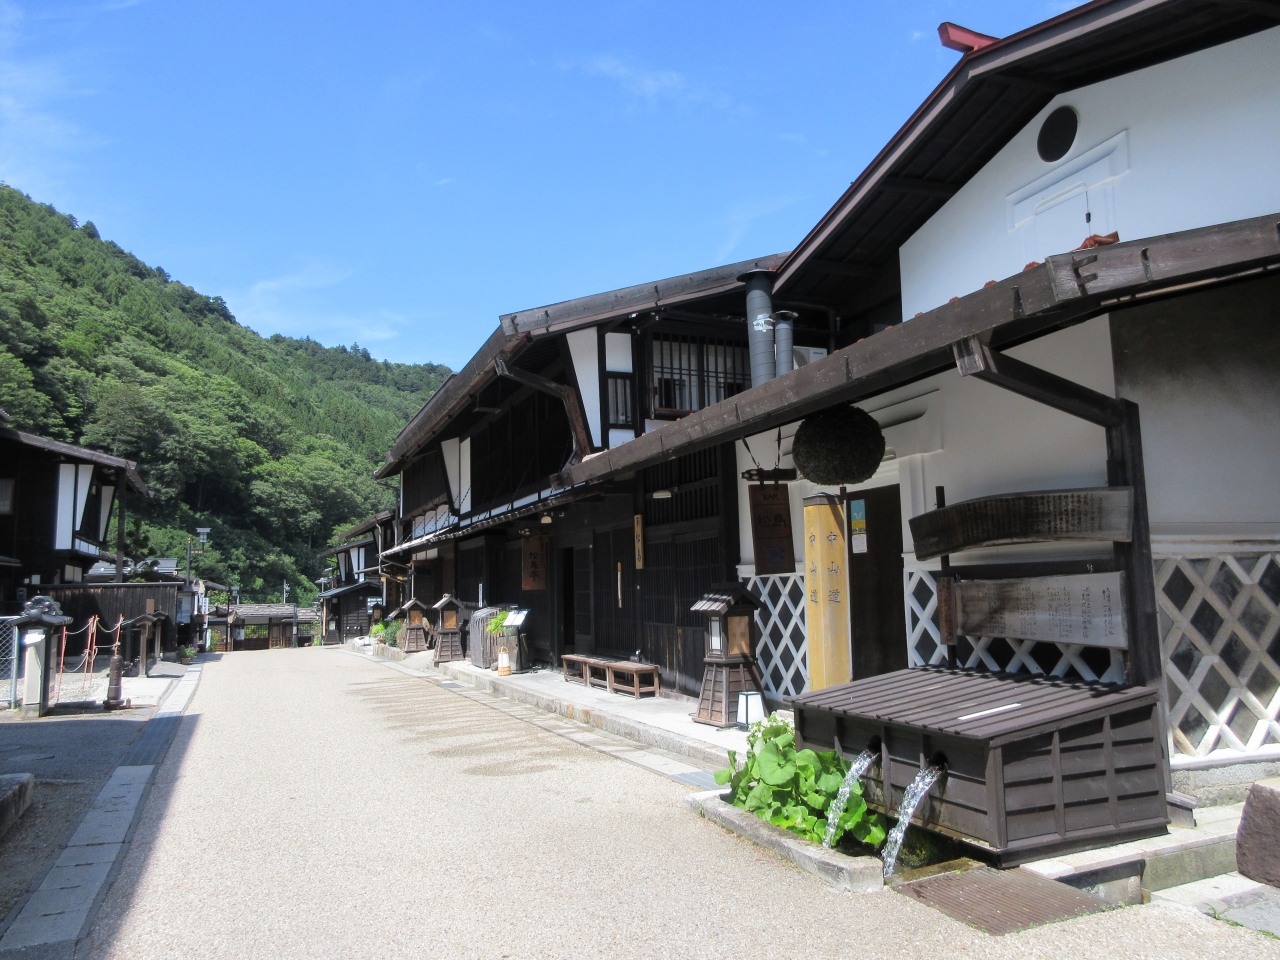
(56,502)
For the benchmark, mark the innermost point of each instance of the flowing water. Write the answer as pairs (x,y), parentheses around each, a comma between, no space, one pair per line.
(859,767)
(911,798)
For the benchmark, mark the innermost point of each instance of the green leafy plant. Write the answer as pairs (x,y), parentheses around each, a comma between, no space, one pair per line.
(186,653)
(391,637)
(378,629)
(496,623)
(793,789)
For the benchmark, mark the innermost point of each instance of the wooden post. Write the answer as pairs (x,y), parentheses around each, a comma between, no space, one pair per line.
(122,485)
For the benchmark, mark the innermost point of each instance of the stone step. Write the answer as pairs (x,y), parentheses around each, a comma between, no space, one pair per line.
(16,793)
(1124,872)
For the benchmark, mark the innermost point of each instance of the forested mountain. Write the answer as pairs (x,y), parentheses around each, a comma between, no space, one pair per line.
(270,441)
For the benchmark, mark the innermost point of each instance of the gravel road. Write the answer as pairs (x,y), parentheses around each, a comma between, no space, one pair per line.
(316,804)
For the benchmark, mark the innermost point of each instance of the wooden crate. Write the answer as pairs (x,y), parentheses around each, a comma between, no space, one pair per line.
(1034,766)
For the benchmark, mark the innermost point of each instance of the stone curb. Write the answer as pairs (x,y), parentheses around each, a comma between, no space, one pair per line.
(706,755)
(844,873)
(17,790)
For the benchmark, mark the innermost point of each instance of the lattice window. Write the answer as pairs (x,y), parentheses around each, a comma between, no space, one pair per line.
(997,653)
(1219,626)
(784,647)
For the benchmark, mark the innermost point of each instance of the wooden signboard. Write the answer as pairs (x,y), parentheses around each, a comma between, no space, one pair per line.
(533,563)
(637,524)
(826,585)
(771,528)
(1086,609)
(1099,513)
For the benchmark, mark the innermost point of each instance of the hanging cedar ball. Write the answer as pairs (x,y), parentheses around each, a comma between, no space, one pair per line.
(840,445)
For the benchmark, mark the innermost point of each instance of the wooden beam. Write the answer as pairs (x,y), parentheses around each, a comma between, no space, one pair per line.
(577,423)
(975,359)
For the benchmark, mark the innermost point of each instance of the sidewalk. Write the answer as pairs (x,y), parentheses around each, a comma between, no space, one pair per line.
(654,721)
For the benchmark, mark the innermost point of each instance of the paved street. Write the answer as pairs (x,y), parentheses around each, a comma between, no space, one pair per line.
(317,804)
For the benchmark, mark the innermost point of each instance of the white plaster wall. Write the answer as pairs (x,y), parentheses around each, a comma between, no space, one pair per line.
(972,438)
(617,352)
(1184,144)
(584,348)
(464,476)
(450,452)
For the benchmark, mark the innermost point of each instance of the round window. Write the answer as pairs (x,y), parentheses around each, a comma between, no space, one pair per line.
(1057,135)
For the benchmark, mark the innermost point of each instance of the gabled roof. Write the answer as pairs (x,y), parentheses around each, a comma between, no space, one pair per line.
(364,526)
(515,330)
(73,452)
(990,95)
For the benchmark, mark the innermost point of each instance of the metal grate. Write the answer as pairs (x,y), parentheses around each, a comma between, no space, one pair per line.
(8,663)
(689,373)
(1000,901)
(783,651)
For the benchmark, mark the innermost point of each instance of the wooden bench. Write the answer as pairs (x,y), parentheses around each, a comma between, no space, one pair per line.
(637,672)
(604,673)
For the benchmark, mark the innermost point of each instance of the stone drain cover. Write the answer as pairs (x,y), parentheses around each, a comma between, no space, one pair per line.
(1000,901)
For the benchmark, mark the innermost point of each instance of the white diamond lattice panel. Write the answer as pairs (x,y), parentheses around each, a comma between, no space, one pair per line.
(783,651)
(1219,622)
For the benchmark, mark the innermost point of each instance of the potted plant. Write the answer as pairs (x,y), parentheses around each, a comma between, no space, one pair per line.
(185,654)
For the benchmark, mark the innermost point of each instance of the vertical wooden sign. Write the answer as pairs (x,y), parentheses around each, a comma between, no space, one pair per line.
(826,592)
(771,528)
(533,563)
(638,536)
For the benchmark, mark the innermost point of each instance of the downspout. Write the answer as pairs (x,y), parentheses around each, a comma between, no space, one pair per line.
(760,325)
(784,341)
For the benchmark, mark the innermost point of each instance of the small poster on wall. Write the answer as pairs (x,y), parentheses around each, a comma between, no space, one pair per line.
(771,528)
(533,563)
(857,526)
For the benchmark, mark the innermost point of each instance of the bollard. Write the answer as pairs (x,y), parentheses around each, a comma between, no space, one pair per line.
(115,684)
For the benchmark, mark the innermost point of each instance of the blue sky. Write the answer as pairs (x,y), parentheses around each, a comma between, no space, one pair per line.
(398,174)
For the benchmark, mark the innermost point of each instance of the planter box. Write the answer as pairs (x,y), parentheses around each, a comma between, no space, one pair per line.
(852,874)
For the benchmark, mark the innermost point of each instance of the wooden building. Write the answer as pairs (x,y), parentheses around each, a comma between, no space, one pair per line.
(361,584)
(1048,224)
(1079,220)
(56,501)
(265,626)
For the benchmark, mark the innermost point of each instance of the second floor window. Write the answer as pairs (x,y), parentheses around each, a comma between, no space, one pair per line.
(689,373)
(619,387)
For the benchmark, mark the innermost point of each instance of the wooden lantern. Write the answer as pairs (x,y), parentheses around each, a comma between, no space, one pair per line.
(452,615)
(413,636)
(730,653)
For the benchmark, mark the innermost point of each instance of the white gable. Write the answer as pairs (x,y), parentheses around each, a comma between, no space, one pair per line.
(1183,144)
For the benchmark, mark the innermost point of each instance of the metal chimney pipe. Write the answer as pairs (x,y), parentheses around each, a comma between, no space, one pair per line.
(782,336)
(760,325)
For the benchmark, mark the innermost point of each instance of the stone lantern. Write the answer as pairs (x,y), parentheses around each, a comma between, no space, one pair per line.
(40,618)
(730,669)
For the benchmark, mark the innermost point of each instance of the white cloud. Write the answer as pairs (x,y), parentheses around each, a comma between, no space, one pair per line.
(36,145)
(445,182)
(652,84)
(294,304)
(739,220)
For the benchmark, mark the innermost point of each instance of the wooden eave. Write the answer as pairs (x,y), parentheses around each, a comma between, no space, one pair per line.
(82,454)
(1062,291)
(516,331)
(990,95)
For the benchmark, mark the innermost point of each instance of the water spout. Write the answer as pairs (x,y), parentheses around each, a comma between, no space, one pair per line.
(911,798)
(857,769)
